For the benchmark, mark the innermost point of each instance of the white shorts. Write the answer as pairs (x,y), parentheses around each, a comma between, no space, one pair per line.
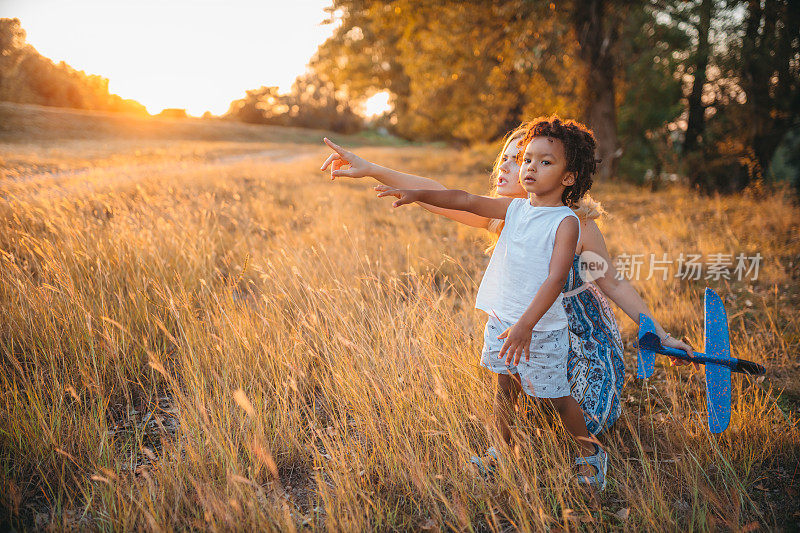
(544,375)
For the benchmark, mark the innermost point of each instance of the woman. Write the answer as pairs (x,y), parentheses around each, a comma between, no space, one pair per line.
(596,369)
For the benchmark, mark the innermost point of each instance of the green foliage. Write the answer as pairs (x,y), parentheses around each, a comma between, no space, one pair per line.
(650,95)
(468,72)
(465,72)
(786,163)
(752,94)
(27,77)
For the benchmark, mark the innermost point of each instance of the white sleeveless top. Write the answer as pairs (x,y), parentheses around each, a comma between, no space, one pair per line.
(521,262)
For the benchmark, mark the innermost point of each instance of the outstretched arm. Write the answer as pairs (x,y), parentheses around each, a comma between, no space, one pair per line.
(518,336)
(344,163)
(620,290)
(452,199)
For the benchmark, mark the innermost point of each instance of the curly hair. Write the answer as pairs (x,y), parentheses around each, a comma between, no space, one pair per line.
(579,147)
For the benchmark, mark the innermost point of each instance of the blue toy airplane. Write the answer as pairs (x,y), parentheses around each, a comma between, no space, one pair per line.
(717,358)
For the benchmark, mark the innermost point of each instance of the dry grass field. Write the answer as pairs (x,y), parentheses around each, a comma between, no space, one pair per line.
(197,338)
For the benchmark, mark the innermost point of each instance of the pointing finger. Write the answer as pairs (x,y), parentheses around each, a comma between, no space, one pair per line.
(336,148)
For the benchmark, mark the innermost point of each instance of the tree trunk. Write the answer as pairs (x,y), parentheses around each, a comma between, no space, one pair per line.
(697,120)
(769,77)
(597,34)
(602,118)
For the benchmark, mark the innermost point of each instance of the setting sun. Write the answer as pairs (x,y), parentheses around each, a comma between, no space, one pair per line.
(377,104)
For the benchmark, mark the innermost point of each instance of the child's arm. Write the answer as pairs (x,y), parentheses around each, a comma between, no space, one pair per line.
(360,168)
(464,217)
(518,336)
(452,199)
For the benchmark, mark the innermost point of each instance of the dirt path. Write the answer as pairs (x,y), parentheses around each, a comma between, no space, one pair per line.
(64,182)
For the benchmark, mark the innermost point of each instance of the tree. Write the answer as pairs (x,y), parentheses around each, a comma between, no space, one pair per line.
(750,87)
(459,71)
(649,90)
(706,88)
(696,121)
(312,103)
(28,77)
(259,106)
(12,48)
(598,26)
(769,55)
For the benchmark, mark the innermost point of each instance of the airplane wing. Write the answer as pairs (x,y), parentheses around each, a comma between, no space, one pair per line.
(718,377)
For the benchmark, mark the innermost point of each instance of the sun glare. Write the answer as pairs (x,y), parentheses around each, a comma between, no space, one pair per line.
(377,104)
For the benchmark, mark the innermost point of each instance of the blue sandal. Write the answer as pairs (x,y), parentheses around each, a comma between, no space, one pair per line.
(599,461)
(486,467)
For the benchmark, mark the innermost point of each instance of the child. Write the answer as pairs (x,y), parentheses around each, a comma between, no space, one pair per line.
(521,289)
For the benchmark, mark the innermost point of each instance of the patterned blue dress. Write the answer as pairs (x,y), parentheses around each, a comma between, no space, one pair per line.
(595,368)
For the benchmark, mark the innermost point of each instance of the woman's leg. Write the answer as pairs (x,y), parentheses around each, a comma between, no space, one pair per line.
(572,418)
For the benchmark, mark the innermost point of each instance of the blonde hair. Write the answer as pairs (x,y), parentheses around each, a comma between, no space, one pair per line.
(588,208)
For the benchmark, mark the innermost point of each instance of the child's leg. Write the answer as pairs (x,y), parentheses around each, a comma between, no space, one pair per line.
(508,384)
(572,418)
(508,387)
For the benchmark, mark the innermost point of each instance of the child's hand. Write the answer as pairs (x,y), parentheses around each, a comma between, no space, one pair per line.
(404,196)
(344,163)
(518,341)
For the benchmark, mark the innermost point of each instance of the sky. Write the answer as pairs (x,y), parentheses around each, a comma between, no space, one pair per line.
(198,55)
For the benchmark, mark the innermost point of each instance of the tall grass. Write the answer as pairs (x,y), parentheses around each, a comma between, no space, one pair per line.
(245,347)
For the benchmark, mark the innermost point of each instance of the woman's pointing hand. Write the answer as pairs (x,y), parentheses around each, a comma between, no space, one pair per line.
(344,163)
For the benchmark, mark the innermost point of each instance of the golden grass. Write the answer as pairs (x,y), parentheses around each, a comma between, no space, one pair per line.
(249,346)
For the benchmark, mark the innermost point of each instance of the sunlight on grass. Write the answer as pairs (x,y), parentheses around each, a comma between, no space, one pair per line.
(255,347)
